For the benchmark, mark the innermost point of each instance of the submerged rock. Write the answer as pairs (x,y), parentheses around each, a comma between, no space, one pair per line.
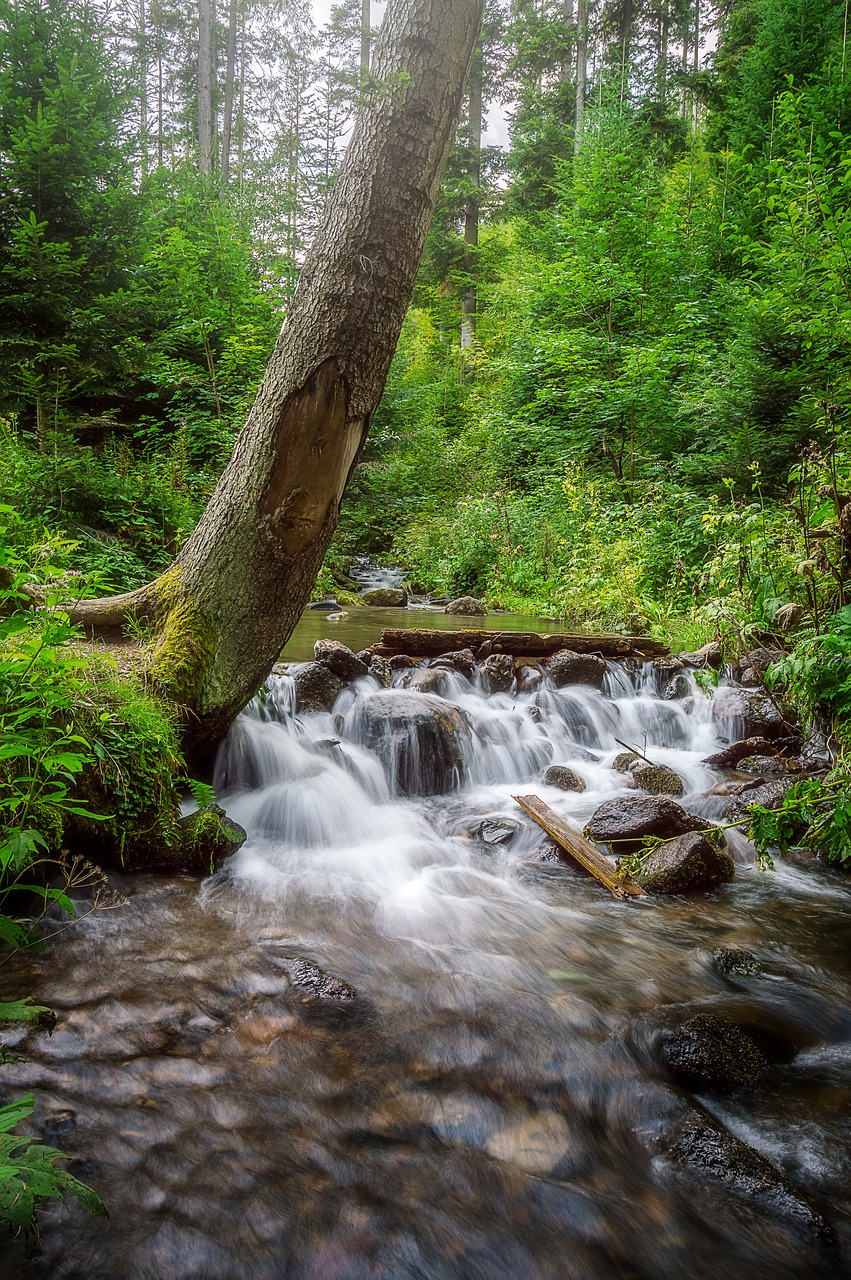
(467,606)
(498,672)
(710,1052)
(658,779)
(313,984)
(339,658)
(626,820)
(559,775)
(316,687)
(498,830)
(567,667)
(736,962)
(687,864)
(386,598)
(421,740)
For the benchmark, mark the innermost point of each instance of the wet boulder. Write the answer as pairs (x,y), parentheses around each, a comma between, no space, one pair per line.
(339,658)
(567,667)
(467,606)
(386,598)
(710,1052)
(559,775)
(380,670)
(312,984)
(462,660)
(678,687)
(709,656)
(768,766)
(729,757)
(422,741)
(496,831)
(751,713)
(658,779)
(625,821)
(424,680)
(687,864)
(316,687)
(770,795)
(401,662)
(208,836)
(623,762)
(498,672)
(529,678)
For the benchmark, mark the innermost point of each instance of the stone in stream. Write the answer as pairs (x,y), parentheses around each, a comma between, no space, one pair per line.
(730,756)
(316,687)
(658,779)
(324,606)
(559,775)
(711,1052)
(424,680)
(678,687)
(467,606)
(495,831)
(401,662)
(339,658)
(498,672)
(687,864)
(386,598)
(751,713)
(623,762)
(709,656)
(624,821)
(736,962)
(770,795)
(768,766)
(567,667)
(421,740)
(312,984)
(528,678)
(208,836)
(381,670)
(462,660)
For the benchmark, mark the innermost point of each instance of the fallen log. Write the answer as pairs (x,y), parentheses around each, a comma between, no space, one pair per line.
(585,853)
(418,642)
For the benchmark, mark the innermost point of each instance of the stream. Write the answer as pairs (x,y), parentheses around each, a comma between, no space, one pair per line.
(475,1108)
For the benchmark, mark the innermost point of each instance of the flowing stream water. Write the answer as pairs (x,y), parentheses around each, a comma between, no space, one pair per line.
(475,1112)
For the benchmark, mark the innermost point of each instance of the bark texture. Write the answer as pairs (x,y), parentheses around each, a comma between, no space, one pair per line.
(222,613)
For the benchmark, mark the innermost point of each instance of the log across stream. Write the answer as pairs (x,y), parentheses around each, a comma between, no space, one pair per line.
(398,1037)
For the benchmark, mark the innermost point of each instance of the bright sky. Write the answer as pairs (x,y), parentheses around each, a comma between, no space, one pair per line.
(496,128)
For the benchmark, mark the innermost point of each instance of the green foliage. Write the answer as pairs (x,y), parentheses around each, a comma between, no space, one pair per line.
(29,1171)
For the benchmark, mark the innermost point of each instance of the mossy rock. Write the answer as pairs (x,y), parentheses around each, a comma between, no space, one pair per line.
(623,762)
(561,776)
(710,1052)
(209,836)
(689,864)
(658,779)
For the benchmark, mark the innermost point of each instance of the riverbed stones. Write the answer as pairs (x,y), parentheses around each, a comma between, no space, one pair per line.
(340,659)
(386,598)
(567,667)
(751,713)
(498,672)
(687,864)
(659,779)
(467,606)
(422,741)
(711,1052)
(559,775)
(316,687)
(624,821)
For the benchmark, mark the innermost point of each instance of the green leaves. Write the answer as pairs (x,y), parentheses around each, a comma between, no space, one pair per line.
(29,1171)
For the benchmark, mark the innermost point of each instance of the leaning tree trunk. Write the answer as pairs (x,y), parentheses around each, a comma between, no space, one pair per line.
(222,613)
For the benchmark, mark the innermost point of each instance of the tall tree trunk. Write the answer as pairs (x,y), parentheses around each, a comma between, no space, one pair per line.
(567,56)
(471,209)
(230,70)
(581,69)
(365,38)
(143,90)
(222,612)
(205,86)
(695,61)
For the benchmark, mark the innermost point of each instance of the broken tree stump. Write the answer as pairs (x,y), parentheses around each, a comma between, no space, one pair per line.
(585,853)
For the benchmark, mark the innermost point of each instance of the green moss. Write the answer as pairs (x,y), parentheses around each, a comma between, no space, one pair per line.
(184,646)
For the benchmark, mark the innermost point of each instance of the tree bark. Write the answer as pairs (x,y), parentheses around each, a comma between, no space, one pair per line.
(230,69)
(469,299)
(205,85)
(224,610)
(581,70)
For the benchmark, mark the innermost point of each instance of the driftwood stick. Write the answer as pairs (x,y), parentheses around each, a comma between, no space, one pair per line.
(579,848)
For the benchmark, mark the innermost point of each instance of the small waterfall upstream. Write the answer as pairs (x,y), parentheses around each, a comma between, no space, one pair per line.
(482,1103)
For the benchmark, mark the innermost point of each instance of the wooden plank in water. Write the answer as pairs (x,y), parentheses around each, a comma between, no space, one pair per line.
(579,848)
(420,642)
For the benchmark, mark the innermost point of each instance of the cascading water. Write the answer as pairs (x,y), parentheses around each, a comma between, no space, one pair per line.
(484,1109)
